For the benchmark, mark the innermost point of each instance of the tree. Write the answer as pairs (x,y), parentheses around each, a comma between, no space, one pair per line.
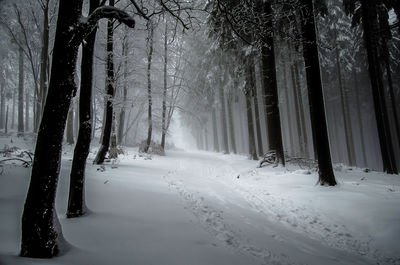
(21,91)
(315,95)
(164,100)
(369,15)
(41,234)
(110,91)
(76,199)
(270,89)
(150,29)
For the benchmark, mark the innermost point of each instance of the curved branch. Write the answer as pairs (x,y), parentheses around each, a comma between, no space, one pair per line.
(87,24)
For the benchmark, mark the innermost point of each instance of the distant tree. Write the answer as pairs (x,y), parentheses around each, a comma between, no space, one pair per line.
(150,36)
(20,91)
(370,22)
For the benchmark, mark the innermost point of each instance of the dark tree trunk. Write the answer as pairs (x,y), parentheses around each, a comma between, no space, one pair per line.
(225,146)
(149,96)
(257,114)
(121,124)
(215,130)
(110,80)
(21,92)
(271,92)
(231,125)
(41,235)
(249,93)
(27,106)
(315,94)
(44,58)
(76,199)
(370,25)
(70,125)
(164,102)
(393,101)
(298,110)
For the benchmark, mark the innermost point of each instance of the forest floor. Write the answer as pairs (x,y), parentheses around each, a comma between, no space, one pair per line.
(192,208)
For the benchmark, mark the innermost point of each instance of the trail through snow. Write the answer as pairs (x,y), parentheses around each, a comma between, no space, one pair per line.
(206,208)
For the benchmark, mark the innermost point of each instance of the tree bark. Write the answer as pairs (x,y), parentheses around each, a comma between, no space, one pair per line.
(70,125)
(76,200)
(231,124)
(257,114)
(164,102)
(370,25)
(249,93)
(225,146)
(393,101)
(110,81)
(21,92)
(149,96)
(41,235)
(121,124)
(44,58)
(271,92)
(27,106)
(215,130)
(315,94)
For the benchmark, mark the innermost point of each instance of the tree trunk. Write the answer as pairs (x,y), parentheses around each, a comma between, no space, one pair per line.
(249,92)
(76,199)
(298,111)
(110,80)
(369,18)
(345,108)
(14,100)
(315,94)
(41,235)
(121,124)
(44,58)
(21,92)
(27,96)
(164,102)
(215,130)
(149,96)
(6,122)
(257,114)
(231,125)
(287,101)
(2,102)
(225,146)
(70,125)
(271,92)
(360,118)
(393,100)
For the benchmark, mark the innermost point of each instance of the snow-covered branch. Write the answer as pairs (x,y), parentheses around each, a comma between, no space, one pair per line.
(89,23)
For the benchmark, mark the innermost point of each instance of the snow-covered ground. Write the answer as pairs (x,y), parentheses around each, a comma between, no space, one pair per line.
(192,208)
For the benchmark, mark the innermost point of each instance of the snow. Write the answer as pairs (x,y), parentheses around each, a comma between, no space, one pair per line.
(208,208)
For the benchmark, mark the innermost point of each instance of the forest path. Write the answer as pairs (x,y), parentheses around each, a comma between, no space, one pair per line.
(251,221)
(191,208)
